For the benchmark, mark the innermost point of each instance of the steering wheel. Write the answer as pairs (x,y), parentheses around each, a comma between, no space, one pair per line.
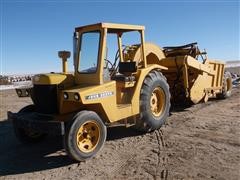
(114,66)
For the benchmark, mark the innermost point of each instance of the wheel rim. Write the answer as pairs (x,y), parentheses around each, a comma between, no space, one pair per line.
(157,101)
(88,136)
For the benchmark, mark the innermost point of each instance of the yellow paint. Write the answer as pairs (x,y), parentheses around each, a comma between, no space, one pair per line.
(52,78)
(115,100)
(64,55)
(88,136)
(206,81)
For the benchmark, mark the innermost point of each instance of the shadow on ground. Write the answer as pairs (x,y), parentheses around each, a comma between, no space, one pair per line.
(17,158)
(120,132)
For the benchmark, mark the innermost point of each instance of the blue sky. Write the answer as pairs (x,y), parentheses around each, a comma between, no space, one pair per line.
(33,31)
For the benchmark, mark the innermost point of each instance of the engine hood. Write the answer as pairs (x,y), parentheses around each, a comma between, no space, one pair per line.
(52,78)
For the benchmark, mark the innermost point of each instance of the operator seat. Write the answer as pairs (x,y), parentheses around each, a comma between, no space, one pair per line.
(126,70)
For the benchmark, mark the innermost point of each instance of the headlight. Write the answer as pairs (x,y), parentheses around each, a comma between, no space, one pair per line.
(76,97)
(65,95)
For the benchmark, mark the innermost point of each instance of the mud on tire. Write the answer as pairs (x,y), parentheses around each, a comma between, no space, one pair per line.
(154,102)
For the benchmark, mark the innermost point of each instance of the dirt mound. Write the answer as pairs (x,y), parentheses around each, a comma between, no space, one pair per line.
(200,142)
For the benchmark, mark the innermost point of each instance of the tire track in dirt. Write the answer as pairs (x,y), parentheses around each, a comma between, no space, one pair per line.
(203,139)
(149,149)
(119,158)
(130,157)
(193,145)
(162,157)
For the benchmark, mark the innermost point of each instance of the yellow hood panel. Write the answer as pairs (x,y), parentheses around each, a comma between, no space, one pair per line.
(49,78)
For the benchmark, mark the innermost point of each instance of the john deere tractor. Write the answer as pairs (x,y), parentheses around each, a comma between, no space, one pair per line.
(80,105)
(133,88)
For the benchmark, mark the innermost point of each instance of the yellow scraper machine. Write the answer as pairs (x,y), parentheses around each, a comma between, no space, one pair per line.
(133,88)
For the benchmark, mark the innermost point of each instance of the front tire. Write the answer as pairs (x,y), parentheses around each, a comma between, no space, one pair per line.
(85,136)
(154,102)
(27,135)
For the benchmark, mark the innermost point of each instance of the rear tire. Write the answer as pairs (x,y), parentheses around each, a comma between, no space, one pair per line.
(85,135)
(227,86)
(26,135)
(154,102)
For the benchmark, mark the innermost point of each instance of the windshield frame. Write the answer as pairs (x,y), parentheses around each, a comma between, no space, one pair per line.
(75,49)
(79,48)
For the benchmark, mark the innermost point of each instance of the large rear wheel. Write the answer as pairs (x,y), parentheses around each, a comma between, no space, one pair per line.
(154,102)
(85,135)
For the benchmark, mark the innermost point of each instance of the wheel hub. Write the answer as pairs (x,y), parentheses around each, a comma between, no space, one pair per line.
(88,136)
(157,101)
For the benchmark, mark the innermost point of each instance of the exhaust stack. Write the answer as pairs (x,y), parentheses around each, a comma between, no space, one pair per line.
(64,55)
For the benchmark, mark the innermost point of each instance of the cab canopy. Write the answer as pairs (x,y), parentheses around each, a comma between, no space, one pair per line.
(112,27)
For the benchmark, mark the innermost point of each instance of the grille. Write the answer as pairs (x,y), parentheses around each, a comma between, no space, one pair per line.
(45,98)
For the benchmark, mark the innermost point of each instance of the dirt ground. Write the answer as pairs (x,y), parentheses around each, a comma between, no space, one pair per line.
(200,142)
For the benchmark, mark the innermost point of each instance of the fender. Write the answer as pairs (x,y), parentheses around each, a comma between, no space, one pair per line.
(142,73)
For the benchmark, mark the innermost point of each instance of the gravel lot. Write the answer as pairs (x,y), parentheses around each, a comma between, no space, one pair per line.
(200,142)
